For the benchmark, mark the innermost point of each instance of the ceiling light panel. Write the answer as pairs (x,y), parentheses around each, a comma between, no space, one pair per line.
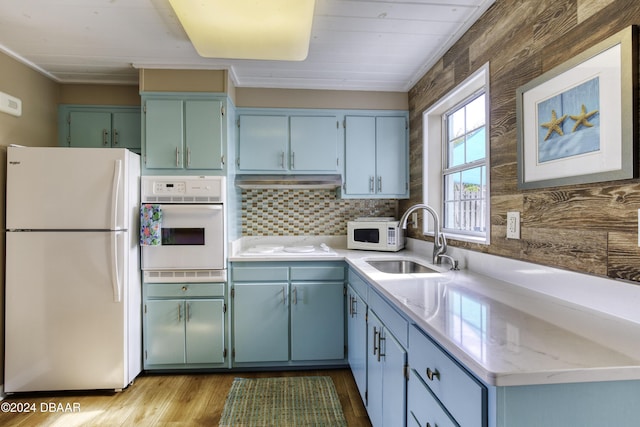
(248,29)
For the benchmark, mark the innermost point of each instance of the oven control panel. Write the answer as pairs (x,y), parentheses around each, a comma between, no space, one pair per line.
(183,189)
(169,187)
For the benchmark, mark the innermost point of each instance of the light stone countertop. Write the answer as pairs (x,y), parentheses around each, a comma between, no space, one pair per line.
(505,334)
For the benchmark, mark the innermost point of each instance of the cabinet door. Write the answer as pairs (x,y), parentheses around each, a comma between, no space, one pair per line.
(374,371)
(360,155)
(314,143)
(203,134)
(386,383)
(164,133)
(204,331)
(357,340)
(317,321)
(394,392)
(261,322)
(391,155)
(89,129)
(126,128)
(164,332)
(263,143)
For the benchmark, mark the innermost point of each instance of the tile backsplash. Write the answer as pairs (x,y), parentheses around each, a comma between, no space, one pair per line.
(305,212)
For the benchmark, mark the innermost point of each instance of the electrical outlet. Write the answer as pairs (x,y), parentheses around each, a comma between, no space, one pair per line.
(513,225)
(414,219)
(638,227)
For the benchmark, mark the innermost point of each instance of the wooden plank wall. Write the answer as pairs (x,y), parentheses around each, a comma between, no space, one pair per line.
(590,228)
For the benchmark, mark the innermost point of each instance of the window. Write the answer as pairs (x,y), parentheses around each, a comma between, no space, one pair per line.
(464,169)
(456,161)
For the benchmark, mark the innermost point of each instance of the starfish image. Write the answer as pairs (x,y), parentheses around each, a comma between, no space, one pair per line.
(582,118)
(554,124)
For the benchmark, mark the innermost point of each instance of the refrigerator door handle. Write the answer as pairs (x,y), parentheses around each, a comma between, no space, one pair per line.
(115,193)
(115,267)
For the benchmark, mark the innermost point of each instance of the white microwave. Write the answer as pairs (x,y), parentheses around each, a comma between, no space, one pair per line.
(375,234)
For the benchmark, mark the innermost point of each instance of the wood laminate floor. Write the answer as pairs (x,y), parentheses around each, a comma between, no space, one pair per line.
(159,400)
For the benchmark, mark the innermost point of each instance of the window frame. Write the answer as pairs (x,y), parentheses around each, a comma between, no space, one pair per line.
(435,154)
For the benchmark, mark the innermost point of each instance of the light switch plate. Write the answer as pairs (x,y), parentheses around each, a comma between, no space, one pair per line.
(513,225)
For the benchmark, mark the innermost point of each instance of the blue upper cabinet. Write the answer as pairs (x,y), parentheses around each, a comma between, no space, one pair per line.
(263,143)
(314,143)
(99,127)
(184,134)
(376,156)
(288,143)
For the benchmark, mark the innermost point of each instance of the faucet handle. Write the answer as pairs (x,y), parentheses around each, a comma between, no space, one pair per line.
(442,242)
(452,261)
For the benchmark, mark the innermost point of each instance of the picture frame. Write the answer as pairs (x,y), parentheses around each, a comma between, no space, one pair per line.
(576,123)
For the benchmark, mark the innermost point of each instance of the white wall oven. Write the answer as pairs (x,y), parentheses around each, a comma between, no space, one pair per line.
(190,240)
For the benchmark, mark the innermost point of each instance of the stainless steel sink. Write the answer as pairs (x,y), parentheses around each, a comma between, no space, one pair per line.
(400,266)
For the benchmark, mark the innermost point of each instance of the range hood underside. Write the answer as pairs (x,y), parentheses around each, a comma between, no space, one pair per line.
(288,181)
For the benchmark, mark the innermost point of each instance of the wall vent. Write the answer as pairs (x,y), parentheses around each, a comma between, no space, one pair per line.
(10,104)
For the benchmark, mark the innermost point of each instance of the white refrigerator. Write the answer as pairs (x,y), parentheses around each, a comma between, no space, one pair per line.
(73,288)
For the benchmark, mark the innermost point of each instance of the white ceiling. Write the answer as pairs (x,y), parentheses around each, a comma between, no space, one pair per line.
(355,44)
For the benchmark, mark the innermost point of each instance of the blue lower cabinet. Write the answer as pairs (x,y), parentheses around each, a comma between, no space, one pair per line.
(386,381)
(317,321)
(261,322)
(184,325)
(164,332)
(357,339)
(288,314)
(204,331)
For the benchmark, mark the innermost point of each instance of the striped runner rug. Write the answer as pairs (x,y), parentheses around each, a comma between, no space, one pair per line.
(283,401)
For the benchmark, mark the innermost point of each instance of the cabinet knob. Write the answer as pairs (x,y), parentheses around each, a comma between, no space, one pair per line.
(433,374)
(184,289)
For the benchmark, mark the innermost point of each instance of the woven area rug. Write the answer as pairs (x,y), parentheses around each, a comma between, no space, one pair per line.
(283,401)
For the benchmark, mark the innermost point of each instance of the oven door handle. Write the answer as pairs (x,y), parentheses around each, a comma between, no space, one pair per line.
(191,208)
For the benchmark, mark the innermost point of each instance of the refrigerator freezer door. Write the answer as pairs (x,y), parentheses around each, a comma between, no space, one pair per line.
(56,188)
(64,329)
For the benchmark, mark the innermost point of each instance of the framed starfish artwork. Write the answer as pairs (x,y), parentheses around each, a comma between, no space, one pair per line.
(576,123)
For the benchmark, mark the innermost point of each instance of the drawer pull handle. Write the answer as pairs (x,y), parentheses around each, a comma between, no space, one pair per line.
(433,374)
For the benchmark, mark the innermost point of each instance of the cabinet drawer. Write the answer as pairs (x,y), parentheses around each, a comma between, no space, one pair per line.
(422,408)
(260,274)
(358,285)
(181,290)
(462,395)
(332,273)
(390,317)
